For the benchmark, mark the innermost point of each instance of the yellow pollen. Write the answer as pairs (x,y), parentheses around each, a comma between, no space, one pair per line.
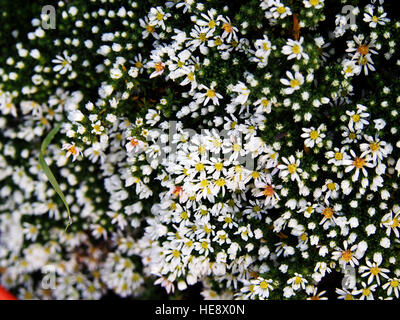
(294,83)
(359,163)
(314,134)
(347,255)
(331,186)
(281,9)
(328,213)
(292,168)
(268,191)
(296,49)
(374,146)
(375,271)
(227,27)
(363,49)
(263,285)
(199,167)
(210,93)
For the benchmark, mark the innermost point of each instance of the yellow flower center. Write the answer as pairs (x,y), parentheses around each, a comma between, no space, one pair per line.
(176,253)
(294,83)
(268,191)
(347,255)
(159,16)
(331,186)
(292,168)
(210,93)
(263,285)
(359,163)
(227,27)
(314,134)
(356,118)
(374,146)
(375,270)
(202,37)
(199,167)
(328,213)
(338,156)
(296,49)
(281,9)
(220,182)
(363,49)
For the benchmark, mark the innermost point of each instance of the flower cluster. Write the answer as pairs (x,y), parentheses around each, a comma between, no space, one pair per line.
(250,147)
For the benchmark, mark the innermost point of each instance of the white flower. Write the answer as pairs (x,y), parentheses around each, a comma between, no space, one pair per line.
(293,49)
(294,82)
(290,167)
(373,19)
(243,93)
(63,63)
(313,136)
(72,150)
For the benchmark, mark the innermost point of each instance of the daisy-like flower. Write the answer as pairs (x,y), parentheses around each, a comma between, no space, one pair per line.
(315,295)
(72,149)
(200,36)
(297,281)
(293,82)
(313,136)
(290,167)
(209,94)
(351,68)
(344,294)
(391,221)
(133,145)
(264,105)
(358,48)
(63,63)
(294,49)
(366,291)
(358,164)
(366,63)
(346,255)
(328,215)
(262,287)
(358,118)
(374,147)
(209,21)
(229,30)
(393,285)
(373,270)
(374,19)
(148,28)
(278,11)
(139,62)
(269,191)
(330,189)
(337,156)
(157,17)
(158,65)
(7,106)
(316,4)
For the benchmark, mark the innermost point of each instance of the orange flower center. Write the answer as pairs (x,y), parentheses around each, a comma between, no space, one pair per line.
(363,49)
(268,191)
(359,163)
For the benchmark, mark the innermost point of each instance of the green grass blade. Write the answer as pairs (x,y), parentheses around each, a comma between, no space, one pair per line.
(48,172)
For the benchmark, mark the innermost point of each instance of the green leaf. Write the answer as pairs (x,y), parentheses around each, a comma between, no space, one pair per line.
(48,172)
